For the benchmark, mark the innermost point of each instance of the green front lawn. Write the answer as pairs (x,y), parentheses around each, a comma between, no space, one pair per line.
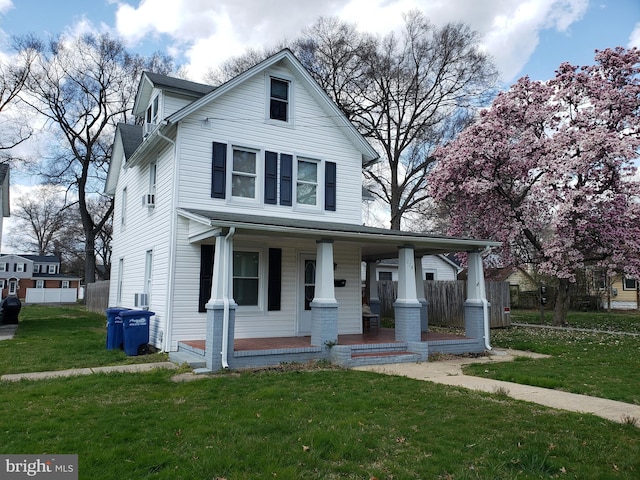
(311,424)
(597,364)
(58,338)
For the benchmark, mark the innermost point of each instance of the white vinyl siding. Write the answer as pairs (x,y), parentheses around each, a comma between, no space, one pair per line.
(237,119)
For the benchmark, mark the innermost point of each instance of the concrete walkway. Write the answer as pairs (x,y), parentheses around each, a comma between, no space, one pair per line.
(133,368)
(449,372)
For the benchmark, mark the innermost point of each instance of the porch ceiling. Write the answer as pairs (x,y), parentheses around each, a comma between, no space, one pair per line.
(375,243)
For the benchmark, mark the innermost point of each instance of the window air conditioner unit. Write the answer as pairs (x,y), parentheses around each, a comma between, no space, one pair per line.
(149,200)
(142,300)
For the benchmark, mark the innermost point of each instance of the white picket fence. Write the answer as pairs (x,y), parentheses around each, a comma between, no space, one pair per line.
(51,295)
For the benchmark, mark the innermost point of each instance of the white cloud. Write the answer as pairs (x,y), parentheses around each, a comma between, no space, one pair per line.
(5,5)
(634,38)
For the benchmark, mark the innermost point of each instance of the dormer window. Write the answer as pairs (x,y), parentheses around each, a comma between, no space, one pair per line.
(279,104)
(152,115)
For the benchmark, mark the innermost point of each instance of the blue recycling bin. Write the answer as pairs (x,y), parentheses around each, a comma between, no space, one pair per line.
(135,326)
(115,332)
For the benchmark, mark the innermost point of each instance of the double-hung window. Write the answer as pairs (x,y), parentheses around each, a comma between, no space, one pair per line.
(39,283)
(243,174)
(246,278)
(629,283)
(279,100)
(307,182)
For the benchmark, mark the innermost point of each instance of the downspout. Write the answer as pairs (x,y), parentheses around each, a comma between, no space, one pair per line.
(485,306)
(166,336)
(228,257)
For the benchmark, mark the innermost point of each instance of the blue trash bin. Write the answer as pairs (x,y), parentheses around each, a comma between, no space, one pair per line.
(115,333)
(135,324)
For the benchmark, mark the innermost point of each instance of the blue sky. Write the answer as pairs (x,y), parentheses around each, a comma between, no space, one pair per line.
(526,37)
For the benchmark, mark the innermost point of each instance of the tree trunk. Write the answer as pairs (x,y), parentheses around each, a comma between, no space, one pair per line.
(90,257)
(562,303)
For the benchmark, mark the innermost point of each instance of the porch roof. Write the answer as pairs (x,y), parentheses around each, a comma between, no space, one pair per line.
(375,243)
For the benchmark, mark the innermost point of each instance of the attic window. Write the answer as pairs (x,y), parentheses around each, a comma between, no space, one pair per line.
(152,115)
(279,104)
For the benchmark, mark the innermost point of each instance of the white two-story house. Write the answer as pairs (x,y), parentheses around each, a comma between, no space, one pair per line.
(238,220)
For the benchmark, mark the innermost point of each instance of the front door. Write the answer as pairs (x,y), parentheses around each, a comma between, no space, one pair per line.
(307,286)
(13,287)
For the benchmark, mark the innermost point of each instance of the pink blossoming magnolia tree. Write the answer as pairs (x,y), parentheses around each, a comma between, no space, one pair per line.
(549,171)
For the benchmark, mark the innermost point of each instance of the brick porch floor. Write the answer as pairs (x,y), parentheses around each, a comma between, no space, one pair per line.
(384,335)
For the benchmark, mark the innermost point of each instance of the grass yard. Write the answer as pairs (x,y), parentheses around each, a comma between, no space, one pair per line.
(57,338)
(617,321)
(313,422)
(596,364)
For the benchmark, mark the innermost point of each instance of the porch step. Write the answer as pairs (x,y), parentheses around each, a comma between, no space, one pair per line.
(381,358)
(190,358)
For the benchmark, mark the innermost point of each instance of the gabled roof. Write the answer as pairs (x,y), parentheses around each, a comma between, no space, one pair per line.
(131,136)
(126,141)
(34,258)
(150,80)
(287,57)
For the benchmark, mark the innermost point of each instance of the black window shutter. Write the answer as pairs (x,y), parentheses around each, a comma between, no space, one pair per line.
(286,184)
(271,178)
(275,278)
(219,170)
(206,275)
(330,186)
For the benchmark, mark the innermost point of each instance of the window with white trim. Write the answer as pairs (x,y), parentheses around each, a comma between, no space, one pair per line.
(39,283)
(243,173)
(148,270)
(279,99)
(3,267)
(20,267)
(629,284)
(123,209)
(307,182)
(152,115)
(65,283)
(36,268)
(246,278)
(385,276)
(120,277)
(52,269)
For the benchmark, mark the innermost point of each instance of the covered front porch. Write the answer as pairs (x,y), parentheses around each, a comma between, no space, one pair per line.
(333,332)
(380,346)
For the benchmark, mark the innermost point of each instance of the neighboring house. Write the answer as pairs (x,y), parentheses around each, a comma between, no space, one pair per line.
(4,195)
(238,221)
(625,294)
(434,267)
(618,292)
(36,279)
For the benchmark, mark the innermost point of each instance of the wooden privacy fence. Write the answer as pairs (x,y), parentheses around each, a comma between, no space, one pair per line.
(97,296)
(446,302)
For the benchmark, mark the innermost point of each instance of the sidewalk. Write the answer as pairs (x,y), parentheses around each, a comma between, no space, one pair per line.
(449,372)
(133,368)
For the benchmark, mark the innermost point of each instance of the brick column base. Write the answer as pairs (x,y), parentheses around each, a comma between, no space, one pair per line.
(213,348)
(324,323)
(407,321)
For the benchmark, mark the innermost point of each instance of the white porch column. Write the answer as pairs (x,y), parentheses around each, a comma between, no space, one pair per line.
(476,289)
(221,308)
(217,280)
(424,304)
(476,307)
(324,291)
(407,307)
(372,287)
(324,307)
(406,276)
